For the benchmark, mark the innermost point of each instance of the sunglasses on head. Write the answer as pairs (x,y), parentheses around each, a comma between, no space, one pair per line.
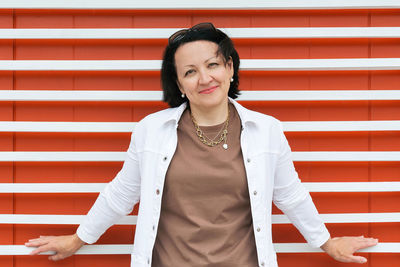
(179,35)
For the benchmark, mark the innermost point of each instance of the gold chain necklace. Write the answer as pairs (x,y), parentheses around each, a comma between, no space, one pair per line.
(211,142)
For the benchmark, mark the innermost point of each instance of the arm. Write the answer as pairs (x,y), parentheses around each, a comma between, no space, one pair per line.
(64,246)
(294,200)
(290,196)
(117,199)
(343,248)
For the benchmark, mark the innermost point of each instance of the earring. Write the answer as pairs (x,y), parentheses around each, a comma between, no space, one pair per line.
(232,79)
(183,95)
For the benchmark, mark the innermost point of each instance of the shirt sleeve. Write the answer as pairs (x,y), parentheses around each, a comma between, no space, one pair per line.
(115,201)
(294,200)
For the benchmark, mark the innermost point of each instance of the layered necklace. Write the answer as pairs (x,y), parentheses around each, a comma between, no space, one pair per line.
(221,136)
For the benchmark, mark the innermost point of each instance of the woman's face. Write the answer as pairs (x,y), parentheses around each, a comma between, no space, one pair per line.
(202,74)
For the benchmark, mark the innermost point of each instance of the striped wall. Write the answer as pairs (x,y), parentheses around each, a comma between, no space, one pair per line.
(75,77)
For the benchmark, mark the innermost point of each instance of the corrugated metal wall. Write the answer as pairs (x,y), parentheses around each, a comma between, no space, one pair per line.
(132,111)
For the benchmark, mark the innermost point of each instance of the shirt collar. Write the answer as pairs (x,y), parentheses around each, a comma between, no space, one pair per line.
(244,114)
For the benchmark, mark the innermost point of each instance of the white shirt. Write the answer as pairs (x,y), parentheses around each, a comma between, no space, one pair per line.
(270,176)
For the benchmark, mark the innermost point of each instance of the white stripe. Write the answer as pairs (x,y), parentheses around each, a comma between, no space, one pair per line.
(321,64)
(246,64)
(310,32)
(305,248)
(98,187)
(347,218)
(235,33)
(204,4)
(353,187)
(246,95)
(355,156)
(74,156)
(55,219)
(51,187)
(319,95)
(85,250)
(127,249)
(131,220)
(39,126)
(127,127)
(62,156)
(71,95)
(118,65)
(326,126)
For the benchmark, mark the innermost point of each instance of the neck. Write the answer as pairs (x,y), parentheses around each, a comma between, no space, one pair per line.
(210,116)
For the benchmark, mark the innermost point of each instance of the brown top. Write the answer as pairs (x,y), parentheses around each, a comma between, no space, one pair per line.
(205,215)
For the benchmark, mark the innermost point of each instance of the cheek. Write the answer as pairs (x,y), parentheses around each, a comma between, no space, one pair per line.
(227,78)
(227,74)
(189,86)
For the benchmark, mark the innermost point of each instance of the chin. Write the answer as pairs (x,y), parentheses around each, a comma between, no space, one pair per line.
(214,102)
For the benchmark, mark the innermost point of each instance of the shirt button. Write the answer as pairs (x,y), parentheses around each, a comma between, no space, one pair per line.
(262,264)
(248,160)
(158,191)
(148,261)
(154,227)
(255,193)
(165,158)
(258,229)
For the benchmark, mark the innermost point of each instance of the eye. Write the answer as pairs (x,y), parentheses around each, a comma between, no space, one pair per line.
(212,64)
(189,72)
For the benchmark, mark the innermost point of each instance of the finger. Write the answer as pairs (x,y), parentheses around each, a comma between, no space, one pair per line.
(357,259)
(368,242)
(40,239)
(46,237)
(41,249)
(365,238)
(33,239)
(37,251)
(36,243)
(56,257)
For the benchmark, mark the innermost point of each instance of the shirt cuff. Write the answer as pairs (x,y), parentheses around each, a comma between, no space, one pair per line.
(321,240)
(84,236)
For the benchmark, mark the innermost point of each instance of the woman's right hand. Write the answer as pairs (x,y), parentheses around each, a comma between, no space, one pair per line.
(63,246)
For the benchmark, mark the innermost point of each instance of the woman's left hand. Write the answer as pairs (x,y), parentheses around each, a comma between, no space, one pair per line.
(342,248)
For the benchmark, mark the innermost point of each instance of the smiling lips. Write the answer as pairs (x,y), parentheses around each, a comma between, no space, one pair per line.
(208,90)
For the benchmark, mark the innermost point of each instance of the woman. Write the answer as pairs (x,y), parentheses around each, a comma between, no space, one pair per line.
(206,172)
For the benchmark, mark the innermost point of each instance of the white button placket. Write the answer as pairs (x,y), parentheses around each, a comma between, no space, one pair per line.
(158,195)
(158,188)
(254,194)
(170,146)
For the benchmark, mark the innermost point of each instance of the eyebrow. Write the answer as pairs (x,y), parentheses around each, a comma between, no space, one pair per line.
(204,61)
(211,58)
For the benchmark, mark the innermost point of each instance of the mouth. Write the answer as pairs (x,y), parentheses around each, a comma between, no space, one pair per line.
(208,90)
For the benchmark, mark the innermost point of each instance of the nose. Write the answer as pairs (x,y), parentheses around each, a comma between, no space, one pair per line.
(204,77)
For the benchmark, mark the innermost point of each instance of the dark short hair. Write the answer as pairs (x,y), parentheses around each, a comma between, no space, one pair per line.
(202,31)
